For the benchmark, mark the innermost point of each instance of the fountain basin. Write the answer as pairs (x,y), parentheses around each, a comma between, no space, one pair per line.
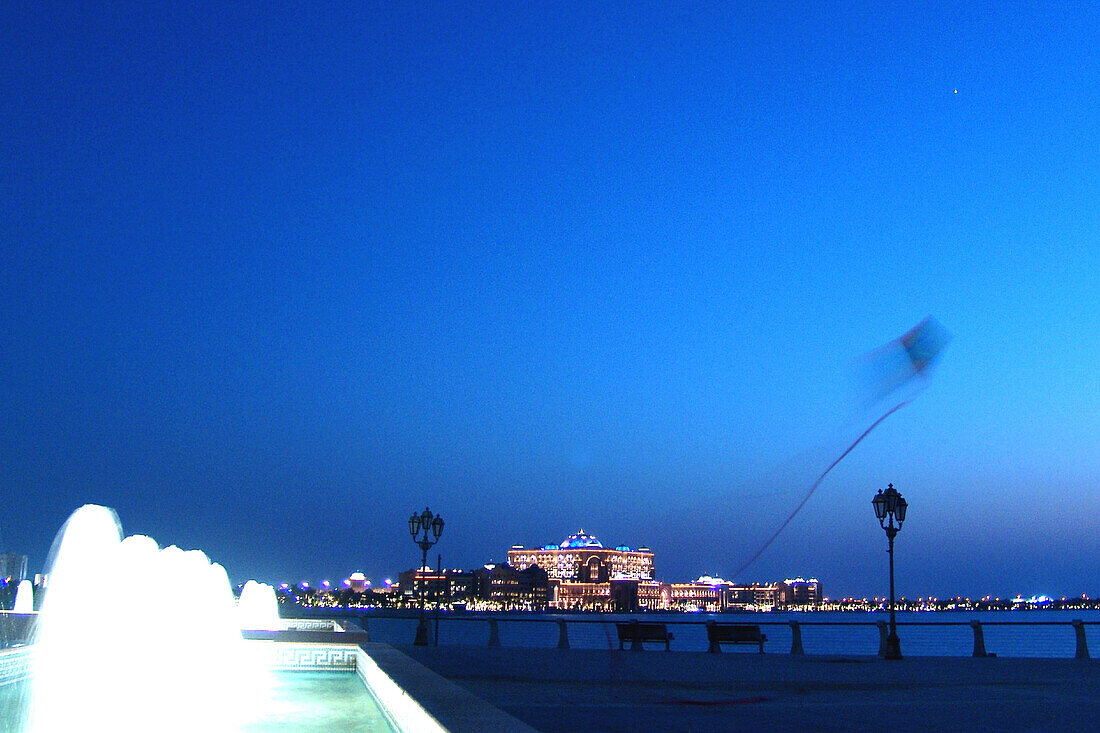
(373,702)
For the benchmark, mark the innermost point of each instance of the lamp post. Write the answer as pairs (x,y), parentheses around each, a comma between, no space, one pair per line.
(424,523)
(890,507)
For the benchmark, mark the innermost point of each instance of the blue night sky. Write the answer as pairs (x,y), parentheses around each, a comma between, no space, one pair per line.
(272,278)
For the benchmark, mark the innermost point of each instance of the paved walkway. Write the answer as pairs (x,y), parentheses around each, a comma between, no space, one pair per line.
(556,690)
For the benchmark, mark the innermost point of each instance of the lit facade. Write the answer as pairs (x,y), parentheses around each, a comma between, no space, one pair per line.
(754,597)
(513,589)
(432,585)
(705,594)
(581,558)
(586,575)
(494,587)
(800,592)
(791,593)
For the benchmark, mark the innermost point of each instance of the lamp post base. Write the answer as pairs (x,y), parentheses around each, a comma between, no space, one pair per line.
(893,647)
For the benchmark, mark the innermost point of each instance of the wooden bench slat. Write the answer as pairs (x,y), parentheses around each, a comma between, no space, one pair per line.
(718,634)
(638,633)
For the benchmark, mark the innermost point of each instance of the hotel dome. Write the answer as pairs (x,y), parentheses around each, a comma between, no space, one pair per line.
(580,540)
(357,582)
(585,574)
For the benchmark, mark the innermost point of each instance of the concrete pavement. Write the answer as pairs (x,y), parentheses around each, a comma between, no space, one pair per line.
(560,690)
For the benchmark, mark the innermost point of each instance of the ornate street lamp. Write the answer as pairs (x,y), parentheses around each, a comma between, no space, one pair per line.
(890,506)
(425,523)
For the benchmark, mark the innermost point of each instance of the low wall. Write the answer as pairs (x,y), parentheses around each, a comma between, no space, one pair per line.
(16,629)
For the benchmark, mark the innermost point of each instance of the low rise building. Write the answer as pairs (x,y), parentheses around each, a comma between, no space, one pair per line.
(507,588)
(800,593)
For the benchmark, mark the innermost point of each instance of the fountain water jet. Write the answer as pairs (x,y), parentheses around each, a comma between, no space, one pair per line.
(134,638)
(257,609)
(24,597)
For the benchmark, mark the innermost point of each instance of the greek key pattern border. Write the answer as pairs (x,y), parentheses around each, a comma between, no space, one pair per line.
(306,625)
(289,656)
(15,663)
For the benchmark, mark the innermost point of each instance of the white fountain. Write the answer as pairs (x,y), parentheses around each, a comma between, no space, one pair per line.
(24,597)
(132,637)
(258,609)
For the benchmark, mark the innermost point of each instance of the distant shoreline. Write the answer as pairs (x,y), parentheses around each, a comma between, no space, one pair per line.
(996,608)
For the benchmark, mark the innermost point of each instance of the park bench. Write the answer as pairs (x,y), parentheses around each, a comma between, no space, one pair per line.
(637,633)
(718,634)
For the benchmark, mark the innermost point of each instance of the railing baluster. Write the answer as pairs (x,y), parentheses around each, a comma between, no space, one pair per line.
(1021,640)
(979,639)
(1082,645)
(796,638)
(494,633)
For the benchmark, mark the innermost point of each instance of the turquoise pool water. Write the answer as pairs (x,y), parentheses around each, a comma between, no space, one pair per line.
(305,702)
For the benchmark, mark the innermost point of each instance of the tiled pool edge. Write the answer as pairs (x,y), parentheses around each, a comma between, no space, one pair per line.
(399,707)
(289,656)
(414,698)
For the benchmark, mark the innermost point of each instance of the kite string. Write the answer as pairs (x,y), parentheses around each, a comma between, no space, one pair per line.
(816,483)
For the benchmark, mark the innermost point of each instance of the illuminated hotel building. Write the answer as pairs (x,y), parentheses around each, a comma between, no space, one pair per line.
(754,597)
(791,593)
(800,592)
(494,587)
(585,574)
(716,595)
(581,558)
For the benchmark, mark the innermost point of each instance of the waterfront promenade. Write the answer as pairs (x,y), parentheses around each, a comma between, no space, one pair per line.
(559,690)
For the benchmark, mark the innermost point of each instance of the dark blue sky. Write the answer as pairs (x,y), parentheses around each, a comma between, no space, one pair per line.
(273,278)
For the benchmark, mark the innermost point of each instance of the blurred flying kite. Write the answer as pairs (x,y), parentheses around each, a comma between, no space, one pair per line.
(884,371)
(896,364)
